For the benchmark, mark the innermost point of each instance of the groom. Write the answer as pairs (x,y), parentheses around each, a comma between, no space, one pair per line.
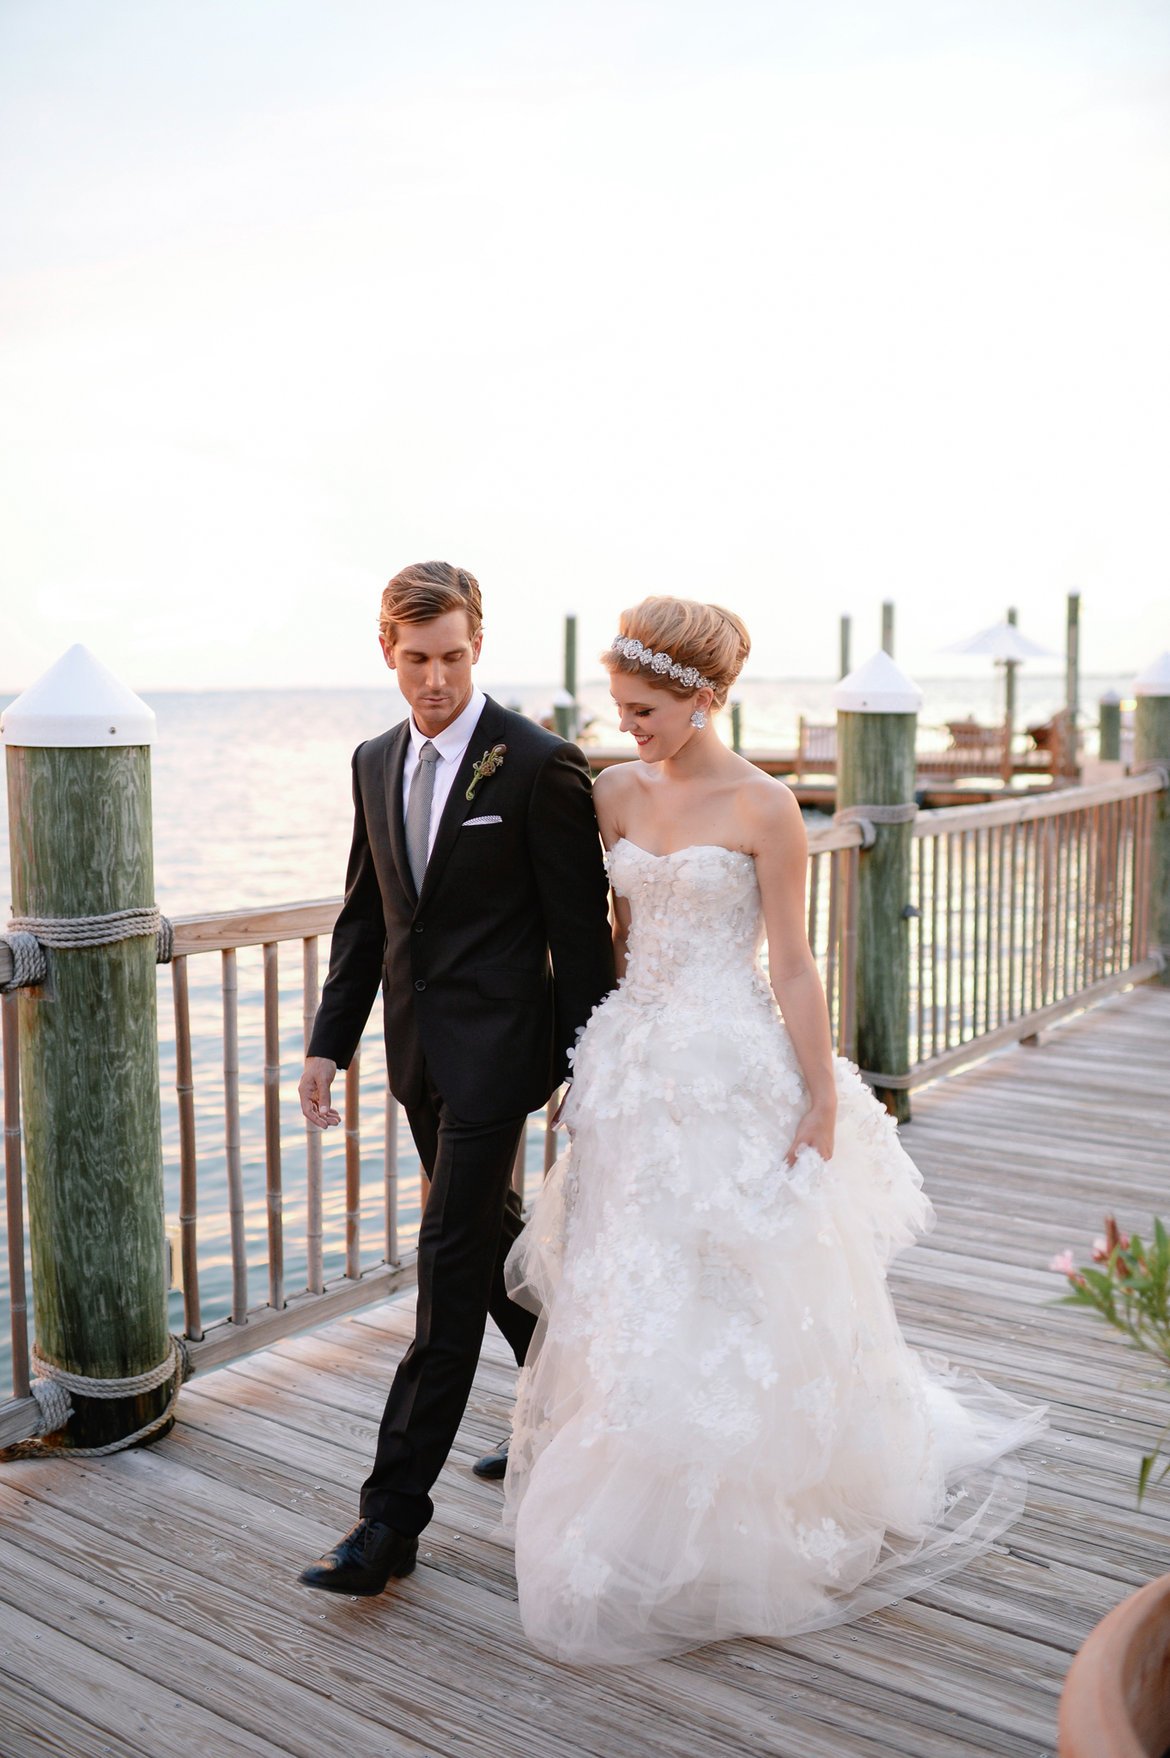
(475,861)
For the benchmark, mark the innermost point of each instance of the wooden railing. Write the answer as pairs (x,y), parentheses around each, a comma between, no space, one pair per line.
(1024,911)
(300,1227)
(832,926)
(833,855)
(218,1233)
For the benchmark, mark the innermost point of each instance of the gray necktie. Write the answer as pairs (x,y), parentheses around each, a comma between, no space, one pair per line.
(418,813)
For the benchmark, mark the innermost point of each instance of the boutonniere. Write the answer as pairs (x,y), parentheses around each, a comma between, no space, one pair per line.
(487,765)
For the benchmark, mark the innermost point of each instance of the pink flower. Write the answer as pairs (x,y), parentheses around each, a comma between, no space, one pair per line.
(1063,1263)
(1100,1250)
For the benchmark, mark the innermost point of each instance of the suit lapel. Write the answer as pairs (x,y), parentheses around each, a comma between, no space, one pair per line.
(488,729)
(395,763)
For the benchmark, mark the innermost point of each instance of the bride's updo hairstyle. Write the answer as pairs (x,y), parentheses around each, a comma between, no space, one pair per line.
(705,637)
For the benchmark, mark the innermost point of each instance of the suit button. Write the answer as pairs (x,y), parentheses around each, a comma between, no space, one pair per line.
(420,985)
(418,927)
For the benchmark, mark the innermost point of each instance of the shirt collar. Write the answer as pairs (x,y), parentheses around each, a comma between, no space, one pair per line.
(454,739)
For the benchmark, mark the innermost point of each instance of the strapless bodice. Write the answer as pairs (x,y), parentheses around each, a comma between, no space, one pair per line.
(696,920)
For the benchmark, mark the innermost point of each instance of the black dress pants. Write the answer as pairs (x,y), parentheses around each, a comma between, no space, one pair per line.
(471,1219)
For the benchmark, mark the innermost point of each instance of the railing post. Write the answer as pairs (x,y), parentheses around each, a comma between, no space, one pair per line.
(1152,750)
(78,759)
(877,722)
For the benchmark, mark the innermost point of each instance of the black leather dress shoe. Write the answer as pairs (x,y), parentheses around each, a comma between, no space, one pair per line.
(363,1561)
(493,1464)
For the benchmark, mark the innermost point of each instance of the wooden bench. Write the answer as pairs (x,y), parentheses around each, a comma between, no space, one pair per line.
(816,750)
(974,749)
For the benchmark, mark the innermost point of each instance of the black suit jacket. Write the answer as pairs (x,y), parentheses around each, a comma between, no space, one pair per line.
(465,966)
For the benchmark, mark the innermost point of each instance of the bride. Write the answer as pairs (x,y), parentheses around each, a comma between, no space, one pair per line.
(719,1428)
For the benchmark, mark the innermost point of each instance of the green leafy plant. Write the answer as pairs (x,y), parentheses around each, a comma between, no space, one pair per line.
(1128,1284)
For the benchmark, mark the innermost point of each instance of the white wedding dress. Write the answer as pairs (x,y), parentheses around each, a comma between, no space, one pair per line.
(720,1429)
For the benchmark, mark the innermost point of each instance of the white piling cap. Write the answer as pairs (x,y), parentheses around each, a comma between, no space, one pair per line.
(878,687)
(1155,680)
(78,702)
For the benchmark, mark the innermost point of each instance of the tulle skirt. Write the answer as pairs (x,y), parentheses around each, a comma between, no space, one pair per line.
(720,1429)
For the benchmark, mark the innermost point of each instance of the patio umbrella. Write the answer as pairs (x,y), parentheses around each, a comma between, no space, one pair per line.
(1004,644)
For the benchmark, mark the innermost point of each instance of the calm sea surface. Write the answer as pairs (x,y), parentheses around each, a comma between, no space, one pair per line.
(252,807)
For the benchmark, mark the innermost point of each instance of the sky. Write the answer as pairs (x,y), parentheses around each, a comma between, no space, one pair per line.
(792,307)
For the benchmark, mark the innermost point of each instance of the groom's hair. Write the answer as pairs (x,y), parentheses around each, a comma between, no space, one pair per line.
(426,590)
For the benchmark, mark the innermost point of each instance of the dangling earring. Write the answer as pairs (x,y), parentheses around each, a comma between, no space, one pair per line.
(698,718)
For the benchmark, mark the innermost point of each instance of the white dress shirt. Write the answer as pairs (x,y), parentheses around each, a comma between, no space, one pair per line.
(451,744)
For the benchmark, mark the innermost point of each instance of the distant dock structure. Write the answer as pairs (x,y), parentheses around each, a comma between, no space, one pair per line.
(961,763)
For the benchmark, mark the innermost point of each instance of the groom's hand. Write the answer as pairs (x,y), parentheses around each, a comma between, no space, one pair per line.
(314,1091)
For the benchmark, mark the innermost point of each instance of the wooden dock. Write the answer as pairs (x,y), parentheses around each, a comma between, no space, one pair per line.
(817,789)
(148,1603)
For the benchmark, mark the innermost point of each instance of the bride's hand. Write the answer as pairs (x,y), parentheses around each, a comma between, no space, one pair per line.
(815,1130)
(557,1122)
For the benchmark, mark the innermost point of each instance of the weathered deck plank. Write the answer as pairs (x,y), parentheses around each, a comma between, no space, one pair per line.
(148,1603)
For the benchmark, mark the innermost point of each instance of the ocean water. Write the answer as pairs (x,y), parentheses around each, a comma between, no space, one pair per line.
(252,807)
(251,787)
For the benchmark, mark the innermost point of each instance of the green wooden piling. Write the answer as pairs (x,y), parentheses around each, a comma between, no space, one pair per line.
(80,821)
(1070,767)
(567,712)
(1152,749)
(564,716)
(1109,727)
(737,725)
(1010,667)
(877,723)
(844,642)
(571,657)
(888,627)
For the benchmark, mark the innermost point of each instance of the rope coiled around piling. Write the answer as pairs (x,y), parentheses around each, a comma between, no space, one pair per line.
(29,964)
(27,937)
(905,814)
(66,931)
(54,1385)
(868,816)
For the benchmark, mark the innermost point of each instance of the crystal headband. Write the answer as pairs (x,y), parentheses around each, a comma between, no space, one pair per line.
(660,663)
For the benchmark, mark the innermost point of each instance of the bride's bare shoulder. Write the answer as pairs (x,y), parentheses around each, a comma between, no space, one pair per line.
(614,784)
(769,812)
(619,781)
(612,793)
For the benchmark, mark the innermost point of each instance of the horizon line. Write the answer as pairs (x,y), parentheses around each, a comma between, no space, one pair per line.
(549,684)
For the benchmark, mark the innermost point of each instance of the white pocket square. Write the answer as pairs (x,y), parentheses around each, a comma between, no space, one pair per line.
(489,818)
